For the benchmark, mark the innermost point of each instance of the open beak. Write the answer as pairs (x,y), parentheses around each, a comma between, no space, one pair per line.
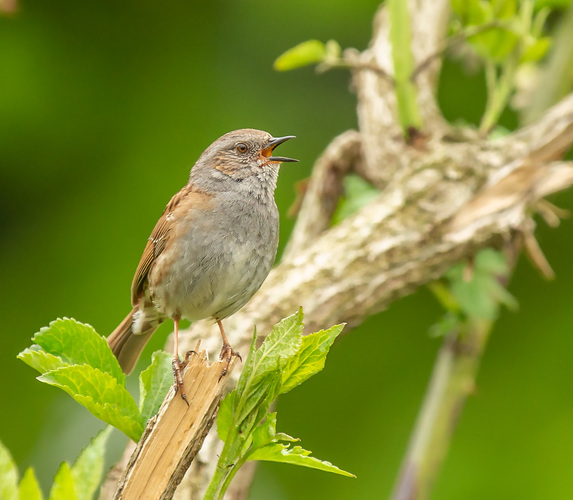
(272,144)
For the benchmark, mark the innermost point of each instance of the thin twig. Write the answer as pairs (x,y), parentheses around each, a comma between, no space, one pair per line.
(348,63)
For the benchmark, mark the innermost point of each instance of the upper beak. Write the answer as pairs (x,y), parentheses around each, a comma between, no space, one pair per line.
(272,144)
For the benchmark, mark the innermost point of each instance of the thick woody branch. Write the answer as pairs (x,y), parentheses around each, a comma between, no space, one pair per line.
(384,149)
(387,250)
(442,200)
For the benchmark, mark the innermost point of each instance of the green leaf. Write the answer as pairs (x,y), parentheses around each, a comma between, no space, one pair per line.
(478,12)
(554,4)
(154,384)
(357,194)
(304,54)
(310,358)
(265,433)
(539,22)
(282,343)
(78,343)
(278,452)
(480,298)
(63,487)
(41,360)
(504,9)
(101,394)
(536,50)
(273,389)
(333,50)
(255,402)
(88,468)
(8,475)
(225,416)
(248,367)
(445,325)
(29,487)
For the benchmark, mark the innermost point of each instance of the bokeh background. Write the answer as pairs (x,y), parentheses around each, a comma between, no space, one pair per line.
(105,105)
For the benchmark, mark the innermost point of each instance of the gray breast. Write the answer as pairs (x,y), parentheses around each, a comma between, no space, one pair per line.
(225,259)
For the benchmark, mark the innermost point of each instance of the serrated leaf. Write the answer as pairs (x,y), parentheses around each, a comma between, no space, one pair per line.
(63,487)
(310,358)
(303,54)
(154,384)
(281,436)
(78,343)
(282,343)
(88,468)
(8,475)
(101,394)
(225,416)
(265,433)
(257,399)
(41,360)
(278,452)
(248,367)
(29,486)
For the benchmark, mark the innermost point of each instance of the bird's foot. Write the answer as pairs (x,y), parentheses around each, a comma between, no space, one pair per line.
(226,355)
(188,355)
(178,383)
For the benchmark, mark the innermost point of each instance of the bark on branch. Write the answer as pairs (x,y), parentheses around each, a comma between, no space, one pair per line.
(442,199)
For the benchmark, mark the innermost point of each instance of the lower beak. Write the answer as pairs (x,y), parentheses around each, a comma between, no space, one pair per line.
(272,144)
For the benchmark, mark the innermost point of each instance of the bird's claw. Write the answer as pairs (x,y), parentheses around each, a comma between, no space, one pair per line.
(227,354)
(178,378)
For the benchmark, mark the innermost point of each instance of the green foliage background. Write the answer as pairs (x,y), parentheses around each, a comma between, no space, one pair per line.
(105,106)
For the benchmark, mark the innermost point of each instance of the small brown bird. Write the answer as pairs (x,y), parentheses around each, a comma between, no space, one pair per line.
(211,249)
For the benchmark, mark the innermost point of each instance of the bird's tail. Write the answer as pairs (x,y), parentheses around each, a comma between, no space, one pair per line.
(127,345)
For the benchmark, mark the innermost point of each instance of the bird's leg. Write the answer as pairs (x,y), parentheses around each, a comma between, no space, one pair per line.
(177,362)
(227,352)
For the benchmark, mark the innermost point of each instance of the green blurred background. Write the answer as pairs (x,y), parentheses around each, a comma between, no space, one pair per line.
(105,105)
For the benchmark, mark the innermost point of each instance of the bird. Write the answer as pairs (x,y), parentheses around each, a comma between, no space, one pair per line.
(211,249)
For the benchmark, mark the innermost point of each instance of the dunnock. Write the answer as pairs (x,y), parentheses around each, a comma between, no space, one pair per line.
(212,247)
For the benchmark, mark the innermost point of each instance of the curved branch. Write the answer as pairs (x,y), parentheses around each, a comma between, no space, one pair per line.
(324,189)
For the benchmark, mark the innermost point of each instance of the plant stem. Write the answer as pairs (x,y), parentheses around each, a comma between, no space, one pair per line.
(452,381)
(229,477)
(221,472)
(401,37)
(498,96)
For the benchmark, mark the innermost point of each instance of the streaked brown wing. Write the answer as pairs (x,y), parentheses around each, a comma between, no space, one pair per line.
(160,235)
(155,245)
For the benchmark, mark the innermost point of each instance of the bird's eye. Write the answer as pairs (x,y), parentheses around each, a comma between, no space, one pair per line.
(241,147)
